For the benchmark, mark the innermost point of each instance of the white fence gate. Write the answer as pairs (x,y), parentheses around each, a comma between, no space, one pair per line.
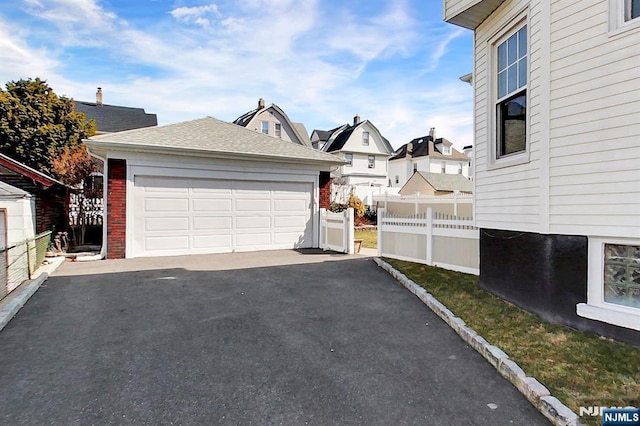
(336,231)
(434,239)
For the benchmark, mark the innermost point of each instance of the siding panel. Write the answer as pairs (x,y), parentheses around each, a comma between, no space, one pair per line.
(594,127)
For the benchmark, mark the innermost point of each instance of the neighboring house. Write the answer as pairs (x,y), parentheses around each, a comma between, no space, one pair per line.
(271,120)
(113,118)
(51,196)
(557,157)
(207,186)
(364,149)
(424,183)
(426,154)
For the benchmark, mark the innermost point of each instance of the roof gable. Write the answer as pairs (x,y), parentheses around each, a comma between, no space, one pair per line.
(341,136)
(442,182)
(300,132)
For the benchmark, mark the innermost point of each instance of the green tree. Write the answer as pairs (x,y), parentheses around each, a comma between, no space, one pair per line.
(36,125)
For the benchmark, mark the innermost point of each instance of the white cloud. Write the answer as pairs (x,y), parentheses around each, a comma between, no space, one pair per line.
(200,15)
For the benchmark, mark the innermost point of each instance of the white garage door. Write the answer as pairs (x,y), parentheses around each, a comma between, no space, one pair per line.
(184,216)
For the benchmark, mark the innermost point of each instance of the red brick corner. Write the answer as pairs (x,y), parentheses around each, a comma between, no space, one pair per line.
(116,209)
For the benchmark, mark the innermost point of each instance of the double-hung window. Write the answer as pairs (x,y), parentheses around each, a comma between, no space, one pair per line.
(623,15)
(265,127)
(365,138)
(349,158)
(511,94)
(278,130)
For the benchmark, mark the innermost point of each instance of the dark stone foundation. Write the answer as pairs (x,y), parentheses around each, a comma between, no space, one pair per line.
(544,274)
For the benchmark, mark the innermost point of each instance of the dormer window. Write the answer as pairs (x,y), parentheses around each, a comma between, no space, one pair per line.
(365,138)
(265,127)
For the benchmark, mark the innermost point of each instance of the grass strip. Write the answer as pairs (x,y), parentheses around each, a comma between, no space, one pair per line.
(578,368)
(369,237)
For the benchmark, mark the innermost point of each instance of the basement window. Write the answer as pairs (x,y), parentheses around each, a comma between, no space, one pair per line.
(613,293)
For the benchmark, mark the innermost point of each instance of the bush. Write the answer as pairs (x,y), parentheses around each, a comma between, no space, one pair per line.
(337,207)
(357,204)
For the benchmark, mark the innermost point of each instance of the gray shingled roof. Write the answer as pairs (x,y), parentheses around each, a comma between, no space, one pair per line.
(113,118)
(447,182)
(11,192)
(210,136)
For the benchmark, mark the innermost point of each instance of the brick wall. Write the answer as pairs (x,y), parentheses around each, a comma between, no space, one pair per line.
(325,190)
(50,212)
(116,209)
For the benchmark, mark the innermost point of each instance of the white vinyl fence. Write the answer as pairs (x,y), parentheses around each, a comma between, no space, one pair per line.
(430,238)
(336,231)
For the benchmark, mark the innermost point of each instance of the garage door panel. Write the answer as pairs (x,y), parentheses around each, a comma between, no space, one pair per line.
(253,205)
(253,222)
(166,242)
(287,237)
(212,241)
(290,205)
(166,224)
(297,222)
(208,223)
(202,187)
(166,205)
(244,187)
(212,205)
(177,215)
(253,239)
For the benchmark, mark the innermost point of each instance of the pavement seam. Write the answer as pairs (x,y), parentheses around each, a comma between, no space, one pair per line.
(535,392)
(14,301)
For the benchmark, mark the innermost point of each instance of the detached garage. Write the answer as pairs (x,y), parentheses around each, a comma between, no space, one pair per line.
(206,186)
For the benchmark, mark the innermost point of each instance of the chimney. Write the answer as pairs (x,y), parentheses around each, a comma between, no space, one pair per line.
(260,103)
(356,120)
(99,96)
(432,133)
(410,149)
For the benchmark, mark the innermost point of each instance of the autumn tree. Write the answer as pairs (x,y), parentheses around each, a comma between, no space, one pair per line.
(36,125)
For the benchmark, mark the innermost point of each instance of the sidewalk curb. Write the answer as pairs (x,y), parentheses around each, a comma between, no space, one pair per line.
(554,410)
(10,305)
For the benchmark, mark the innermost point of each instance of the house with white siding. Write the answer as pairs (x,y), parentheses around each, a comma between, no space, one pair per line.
(428,154)
(557,156)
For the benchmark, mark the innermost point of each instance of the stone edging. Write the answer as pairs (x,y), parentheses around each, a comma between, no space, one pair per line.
(554,410)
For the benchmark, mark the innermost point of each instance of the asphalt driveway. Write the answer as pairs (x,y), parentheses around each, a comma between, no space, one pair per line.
(257,338)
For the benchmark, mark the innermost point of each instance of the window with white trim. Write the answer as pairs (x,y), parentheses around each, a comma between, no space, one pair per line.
(511,94)
(265,127)
(622,275)
(397,179)
(623,15)
(372,161)
(443,167)
(631,9)
(613,292)
(365,138)
(278,130)
(349,157)
(415,167)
